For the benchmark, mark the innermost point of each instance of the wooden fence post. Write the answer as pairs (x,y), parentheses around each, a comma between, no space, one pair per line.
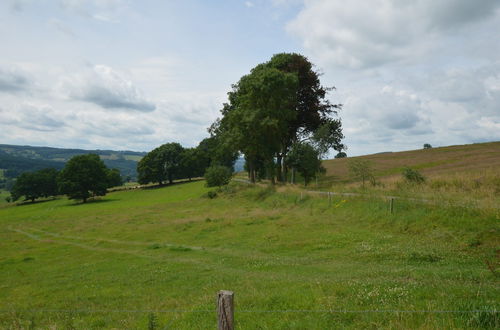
(225,310)
(329,199)
(392,205)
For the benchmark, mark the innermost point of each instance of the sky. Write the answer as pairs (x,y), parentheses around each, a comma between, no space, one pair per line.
(132,75)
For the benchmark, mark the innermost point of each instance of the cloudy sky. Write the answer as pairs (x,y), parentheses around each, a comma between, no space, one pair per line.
(131,75)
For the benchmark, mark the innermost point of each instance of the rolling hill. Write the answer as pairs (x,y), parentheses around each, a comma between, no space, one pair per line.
(459,160)
(17,159)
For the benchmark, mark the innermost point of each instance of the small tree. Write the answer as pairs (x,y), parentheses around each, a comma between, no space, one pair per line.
(304,158)
(427,146)
(341,155)
(84,176)
(218,176)
(361,169)
(413,176)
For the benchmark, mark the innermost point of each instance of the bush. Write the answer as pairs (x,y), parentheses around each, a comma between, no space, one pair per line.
(413,176)
(218,176)
(211,194)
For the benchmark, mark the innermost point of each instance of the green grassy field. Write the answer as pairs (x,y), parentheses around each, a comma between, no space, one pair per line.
(115,262)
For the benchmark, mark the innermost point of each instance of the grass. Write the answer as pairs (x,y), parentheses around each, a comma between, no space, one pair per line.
(162,254)
(461,175)
(435,162)
(3,194)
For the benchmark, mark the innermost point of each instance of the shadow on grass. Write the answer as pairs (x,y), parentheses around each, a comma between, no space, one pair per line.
(91,201)
(157,186)
(29,202)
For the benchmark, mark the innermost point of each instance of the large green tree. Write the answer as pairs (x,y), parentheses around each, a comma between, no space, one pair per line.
(255,121)
(33,185)
(161,164)
(280,103)
(84,176)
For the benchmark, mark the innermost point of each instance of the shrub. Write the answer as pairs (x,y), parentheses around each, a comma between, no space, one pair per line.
(427,146)
(211,194)
(413,176)
(217,175)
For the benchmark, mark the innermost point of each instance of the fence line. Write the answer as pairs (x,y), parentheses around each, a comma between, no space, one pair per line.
(387,197)
(338,311)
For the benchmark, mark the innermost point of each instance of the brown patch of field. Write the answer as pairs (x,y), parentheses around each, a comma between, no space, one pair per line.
(436,162)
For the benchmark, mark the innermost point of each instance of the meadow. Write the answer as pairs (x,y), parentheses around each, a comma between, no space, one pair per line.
(157,257)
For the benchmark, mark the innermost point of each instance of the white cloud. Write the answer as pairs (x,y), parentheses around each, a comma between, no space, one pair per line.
(13,80)
(105,87)
(361,34)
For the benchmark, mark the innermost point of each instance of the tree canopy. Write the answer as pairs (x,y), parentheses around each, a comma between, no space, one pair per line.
(278,104)
(33,185)
(304,159)
(84,176)
(161,164)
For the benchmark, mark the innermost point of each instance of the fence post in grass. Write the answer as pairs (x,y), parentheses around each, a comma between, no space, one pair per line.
(329,199)
(391,205)
(225,310)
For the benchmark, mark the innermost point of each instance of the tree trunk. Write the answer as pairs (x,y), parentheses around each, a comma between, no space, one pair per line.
(284,168)
(251,170)
(279,172)
(293,176)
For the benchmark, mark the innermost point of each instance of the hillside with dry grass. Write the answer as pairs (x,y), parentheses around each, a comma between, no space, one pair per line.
(470,159)
(464,173)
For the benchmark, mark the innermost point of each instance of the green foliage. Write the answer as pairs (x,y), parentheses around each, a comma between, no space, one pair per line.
(216,151)
(33,185)
(361,169)
(191,163)
(413,176)
(304,158)
(161,164)
(84,176)
(218,176)
(211,194)
(427,146)
(278,103)
(114,178)
(341,155)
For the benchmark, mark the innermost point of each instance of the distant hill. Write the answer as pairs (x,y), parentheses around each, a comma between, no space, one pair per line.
(434,162)
(15,160)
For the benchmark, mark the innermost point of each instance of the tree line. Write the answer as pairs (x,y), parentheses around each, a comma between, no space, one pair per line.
(82,177)
(171,161)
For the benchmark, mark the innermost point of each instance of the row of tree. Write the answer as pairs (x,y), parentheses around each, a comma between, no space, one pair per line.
(279,117)
(82,177)
(171,161)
